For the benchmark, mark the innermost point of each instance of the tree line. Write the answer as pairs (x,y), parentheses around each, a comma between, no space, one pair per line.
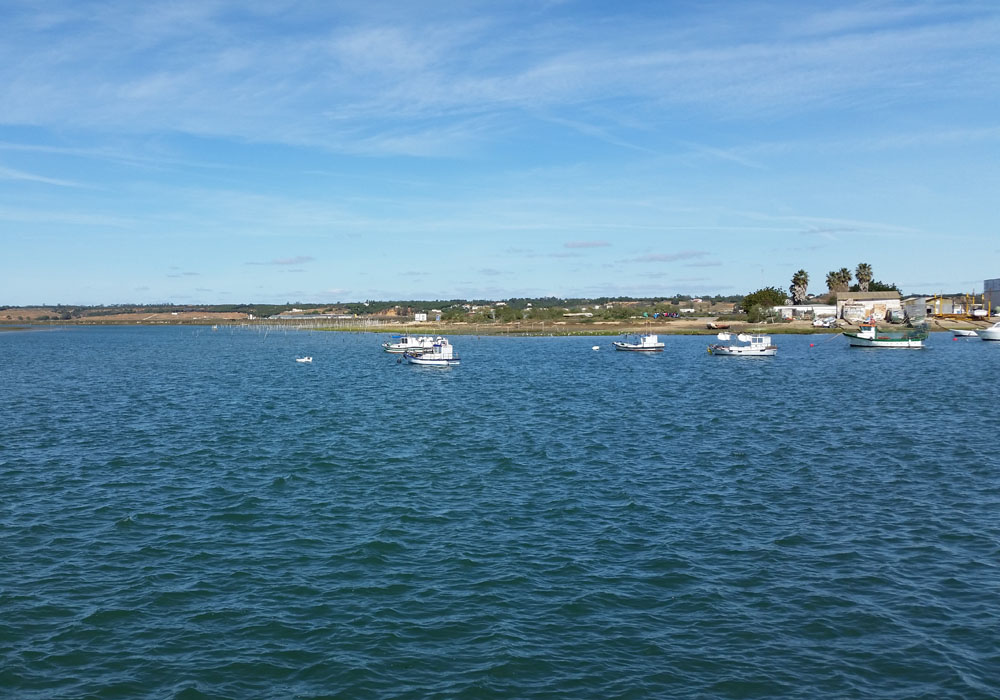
(840,281)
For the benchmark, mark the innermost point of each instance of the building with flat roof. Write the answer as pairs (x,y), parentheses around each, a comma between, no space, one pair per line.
(991,295)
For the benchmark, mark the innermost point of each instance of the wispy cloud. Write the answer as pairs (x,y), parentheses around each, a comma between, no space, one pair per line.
(667,257)
(297,260)
(414,85)
(586,244)
(729,155)
(12,174)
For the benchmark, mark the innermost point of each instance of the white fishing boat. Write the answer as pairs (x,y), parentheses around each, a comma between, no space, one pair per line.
(991,333)
(871,336)
(440,354)
(408,343)
(306,359)
(959,333)
(640,343)
(748,345)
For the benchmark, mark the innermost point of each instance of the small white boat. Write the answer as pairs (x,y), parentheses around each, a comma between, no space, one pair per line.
(642,343)
(304,359)
(870,336)
(964,333)
(409,343)
(991,333)
(752,346)
(441,354)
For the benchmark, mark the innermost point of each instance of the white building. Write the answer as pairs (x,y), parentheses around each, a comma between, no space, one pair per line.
(857,306)
(800,310)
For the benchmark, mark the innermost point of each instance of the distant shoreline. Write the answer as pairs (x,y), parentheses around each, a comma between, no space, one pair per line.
(697,327)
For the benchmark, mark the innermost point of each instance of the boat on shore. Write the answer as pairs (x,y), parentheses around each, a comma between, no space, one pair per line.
(749,345)
(440,354)
(408,343)
(640,343)
(991,333)
(871,336)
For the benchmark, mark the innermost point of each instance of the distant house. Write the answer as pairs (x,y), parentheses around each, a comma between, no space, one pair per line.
(800,310)
(857,306)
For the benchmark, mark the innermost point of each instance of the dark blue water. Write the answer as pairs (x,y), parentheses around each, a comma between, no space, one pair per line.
(192,514)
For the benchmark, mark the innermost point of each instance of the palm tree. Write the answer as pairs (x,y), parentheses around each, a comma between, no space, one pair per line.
(832,281)
(844,276)
(838,280)
(864,275)
(800,283)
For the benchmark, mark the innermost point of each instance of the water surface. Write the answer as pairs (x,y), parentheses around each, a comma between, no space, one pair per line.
(188,513)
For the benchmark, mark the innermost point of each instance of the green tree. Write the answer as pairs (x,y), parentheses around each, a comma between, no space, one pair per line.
(757,304)
(878,286)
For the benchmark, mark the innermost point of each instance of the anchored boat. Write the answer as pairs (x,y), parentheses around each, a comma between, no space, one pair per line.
(871,336)
(408,343)
(991,333)
(641,343)
(750,345)
(440,354)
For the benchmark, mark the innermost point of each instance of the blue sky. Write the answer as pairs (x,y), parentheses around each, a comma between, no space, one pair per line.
(227,152)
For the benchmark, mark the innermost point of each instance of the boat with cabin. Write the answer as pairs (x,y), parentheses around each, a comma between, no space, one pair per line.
(871,336)
(440,354)
(639,343)
(408,343)
(991,333)
(748,345)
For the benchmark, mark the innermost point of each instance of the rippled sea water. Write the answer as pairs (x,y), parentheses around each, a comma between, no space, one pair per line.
(192,514)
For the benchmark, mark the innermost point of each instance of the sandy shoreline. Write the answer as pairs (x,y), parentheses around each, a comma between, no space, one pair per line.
(684,326)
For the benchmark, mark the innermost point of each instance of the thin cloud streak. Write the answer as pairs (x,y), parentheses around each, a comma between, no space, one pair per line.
(12,174)
(667,257)
(297,260)
(586,244)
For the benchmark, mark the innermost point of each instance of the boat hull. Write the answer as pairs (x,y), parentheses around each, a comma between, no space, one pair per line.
(893,343)
(989,334)
(737,351)
(431,362)
(628,347)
